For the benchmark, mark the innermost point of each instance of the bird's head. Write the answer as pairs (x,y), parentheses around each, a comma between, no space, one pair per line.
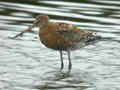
(41,21)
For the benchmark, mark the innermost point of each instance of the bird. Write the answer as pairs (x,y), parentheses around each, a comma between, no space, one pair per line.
(61,36)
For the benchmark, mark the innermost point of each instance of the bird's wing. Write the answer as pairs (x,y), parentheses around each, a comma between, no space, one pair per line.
(73,33)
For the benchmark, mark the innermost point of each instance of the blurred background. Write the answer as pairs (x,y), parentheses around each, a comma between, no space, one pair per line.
(26,64)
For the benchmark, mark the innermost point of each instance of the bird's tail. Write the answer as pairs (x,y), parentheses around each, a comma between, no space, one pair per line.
(97,37)
(94,39)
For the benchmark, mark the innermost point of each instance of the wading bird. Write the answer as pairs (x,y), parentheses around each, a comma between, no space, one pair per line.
(60,36)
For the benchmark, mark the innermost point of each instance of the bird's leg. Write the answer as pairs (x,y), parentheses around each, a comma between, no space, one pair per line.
(70,64)
(61,58)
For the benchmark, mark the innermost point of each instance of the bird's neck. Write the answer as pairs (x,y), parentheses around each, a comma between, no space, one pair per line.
(43,25)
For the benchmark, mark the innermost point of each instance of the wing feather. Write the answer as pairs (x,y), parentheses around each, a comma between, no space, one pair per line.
(73,33)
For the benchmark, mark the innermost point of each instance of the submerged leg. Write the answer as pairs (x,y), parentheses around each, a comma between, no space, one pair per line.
(70,64)
(61,58)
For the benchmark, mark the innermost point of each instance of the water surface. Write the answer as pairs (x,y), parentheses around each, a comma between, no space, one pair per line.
(26,64)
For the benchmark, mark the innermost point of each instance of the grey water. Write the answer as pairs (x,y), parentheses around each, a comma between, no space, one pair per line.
(26,64)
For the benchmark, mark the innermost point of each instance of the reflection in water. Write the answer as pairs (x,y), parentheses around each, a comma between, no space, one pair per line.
(26,64)
(63,80)
(53,81)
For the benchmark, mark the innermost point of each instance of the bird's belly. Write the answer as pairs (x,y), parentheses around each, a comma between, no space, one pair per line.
(57,42)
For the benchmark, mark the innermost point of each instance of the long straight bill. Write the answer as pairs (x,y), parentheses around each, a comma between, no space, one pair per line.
(27,30)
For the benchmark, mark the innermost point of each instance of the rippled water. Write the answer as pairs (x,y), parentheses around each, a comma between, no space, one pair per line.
(26,64)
